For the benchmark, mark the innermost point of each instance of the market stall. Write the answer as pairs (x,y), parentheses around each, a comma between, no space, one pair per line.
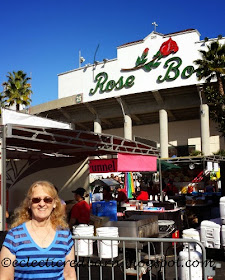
(200,184)
(33,143)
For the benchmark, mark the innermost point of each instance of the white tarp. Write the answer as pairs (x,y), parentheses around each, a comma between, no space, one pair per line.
(13,117)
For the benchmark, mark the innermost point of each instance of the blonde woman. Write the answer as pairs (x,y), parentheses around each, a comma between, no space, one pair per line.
(39,244)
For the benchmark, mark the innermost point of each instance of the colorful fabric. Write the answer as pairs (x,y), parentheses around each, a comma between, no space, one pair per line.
(34,262)
(81,212)
(129,184)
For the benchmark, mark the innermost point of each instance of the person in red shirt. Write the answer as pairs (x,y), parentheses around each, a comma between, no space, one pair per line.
(80,213)
(121,195)
(143,195)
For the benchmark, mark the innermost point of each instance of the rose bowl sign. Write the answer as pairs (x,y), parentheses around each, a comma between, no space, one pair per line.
(172,65)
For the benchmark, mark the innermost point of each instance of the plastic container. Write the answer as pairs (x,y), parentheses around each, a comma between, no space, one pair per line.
(111,210)
(222,209)
(107,248)
(105,209)
(210,234)
(83,247)
(192,233)
(190,265)
(223,236)
(98,208)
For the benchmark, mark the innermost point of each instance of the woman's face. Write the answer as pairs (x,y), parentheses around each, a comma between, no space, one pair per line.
(42,204)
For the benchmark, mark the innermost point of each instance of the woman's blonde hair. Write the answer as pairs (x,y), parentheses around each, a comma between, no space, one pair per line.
(23,213)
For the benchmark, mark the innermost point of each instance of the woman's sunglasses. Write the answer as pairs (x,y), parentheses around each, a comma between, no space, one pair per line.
(46,199)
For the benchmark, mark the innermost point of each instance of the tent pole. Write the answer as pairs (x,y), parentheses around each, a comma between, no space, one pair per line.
(3,179)
(160,179)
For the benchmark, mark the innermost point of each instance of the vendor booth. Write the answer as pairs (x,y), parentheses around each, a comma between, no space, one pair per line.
(200,183)
(38,142)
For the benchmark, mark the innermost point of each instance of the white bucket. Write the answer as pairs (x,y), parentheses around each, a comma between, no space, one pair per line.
(83,247)
(107,248)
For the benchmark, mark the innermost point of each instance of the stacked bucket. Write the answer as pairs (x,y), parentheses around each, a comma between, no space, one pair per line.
(106,248)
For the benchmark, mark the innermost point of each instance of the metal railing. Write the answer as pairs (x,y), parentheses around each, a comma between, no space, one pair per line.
(140,258)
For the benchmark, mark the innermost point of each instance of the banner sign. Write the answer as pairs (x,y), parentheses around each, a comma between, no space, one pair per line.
(135,163)
(124,163)
(103,165)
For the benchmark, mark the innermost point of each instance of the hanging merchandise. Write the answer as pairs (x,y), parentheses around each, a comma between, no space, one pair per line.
(184,190)
(209,165)
(155,177)
(190,188)
(129,184)
(218,174)
(216,166)
(213,176)
(198,178)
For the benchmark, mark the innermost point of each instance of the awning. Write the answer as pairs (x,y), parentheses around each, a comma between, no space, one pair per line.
(105,182)
(166,165)
(27,142)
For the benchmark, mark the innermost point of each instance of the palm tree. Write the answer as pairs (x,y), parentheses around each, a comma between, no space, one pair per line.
(212,64)
(17,90)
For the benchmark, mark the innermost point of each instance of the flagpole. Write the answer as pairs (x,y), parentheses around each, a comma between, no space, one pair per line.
(79,58)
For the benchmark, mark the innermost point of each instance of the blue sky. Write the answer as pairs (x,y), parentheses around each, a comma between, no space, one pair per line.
(43,37)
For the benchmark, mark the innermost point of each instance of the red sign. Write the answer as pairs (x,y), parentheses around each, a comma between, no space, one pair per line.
(124,163)
(103,165)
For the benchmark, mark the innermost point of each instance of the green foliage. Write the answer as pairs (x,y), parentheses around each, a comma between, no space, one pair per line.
(216,104)
(212,68)
(196,153)
(17,90)
(220,153)
(212,64)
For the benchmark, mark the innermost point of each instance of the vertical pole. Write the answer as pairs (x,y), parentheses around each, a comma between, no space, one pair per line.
(163,126)
(3,178)
(97,125)
(160,179)
(79,58)
(205,131)
(127,127)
